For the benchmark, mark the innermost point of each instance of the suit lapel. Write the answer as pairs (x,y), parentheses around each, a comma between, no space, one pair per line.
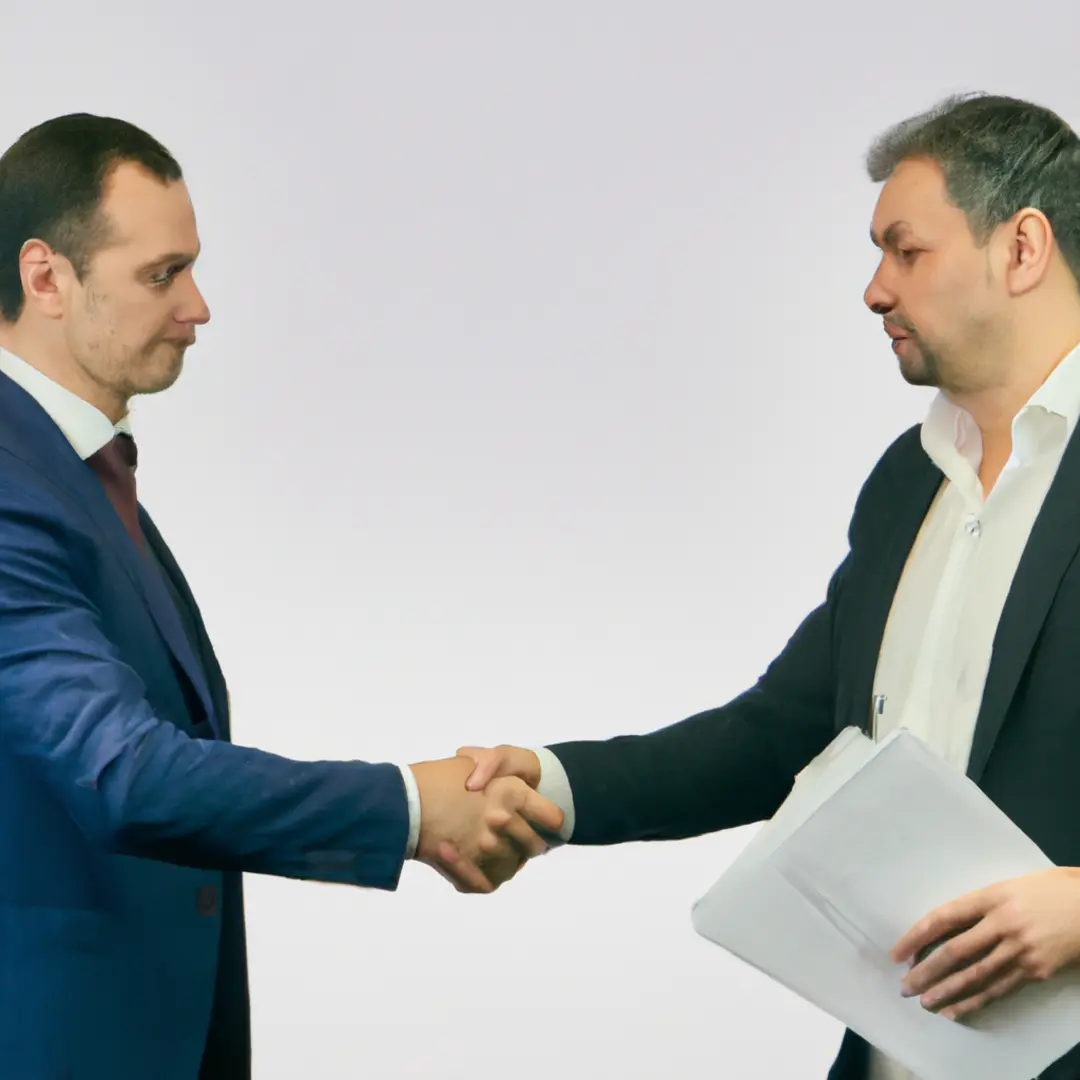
(219,714)
(167,618)
(1051,547)
(895,518)
(27,431)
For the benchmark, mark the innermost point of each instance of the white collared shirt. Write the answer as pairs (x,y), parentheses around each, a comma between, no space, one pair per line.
(85,426)
(936,649)
(88,429)
(935,653)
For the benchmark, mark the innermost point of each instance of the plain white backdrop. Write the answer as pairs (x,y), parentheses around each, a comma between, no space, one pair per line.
(535,401)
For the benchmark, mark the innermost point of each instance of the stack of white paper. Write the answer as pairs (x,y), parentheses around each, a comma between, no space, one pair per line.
(872,838)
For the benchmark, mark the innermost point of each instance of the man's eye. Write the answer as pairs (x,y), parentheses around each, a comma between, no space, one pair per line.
(908,254)
(164,278)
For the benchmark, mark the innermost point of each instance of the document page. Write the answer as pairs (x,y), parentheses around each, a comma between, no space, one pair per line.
(871,838)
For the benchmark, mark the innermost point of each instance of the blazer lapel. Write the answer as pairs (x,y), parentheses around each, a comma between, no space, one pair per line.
(165,615)
(895,519)
(28,432)
(1051,547)
(208,664)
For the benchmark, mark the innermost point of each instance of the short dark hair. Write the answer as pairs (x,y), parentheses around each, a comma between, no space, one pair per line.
(999,155)
(51,185)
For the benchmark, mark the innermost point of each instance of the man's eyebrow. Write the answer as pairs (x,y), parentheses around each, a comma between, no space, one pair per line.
(892,235)
(181,259)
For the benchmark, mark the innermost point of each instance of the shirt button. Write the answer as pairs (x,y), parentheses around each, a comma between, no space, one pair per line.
(208,900)
(974,527)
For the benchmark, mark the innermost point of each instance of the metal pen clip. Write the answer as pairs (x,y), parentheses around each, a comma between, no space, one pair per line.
(876,712)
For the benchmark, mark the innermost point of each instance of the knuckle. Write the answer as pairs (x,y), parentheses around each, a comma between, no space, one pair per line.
(1028,965)
(947,954)
(1011,917)
(1025,937)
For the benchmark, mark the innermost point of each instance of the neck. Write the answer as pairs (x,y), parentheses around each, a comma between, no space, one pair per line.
(1035,350)
(55,362)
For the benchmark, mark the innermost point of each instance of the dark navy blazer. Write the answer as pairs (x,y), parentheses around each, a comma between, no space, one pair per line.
(126,814)
(735,765)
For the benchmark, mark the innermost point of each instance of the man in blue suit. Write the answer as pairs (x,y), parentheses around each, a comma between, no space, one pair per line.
(127,815)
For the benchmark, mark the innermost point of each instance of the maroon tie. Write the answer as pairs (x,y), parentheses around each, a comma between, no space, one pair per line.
(115,465)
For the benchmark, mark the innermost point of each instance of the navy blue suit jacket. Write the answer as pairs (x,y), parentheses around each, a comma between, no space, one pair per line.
(735,765)
(126,814)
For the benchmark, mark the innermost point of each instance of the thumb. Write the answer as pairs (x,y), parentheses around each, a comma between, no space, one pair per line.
(487,764)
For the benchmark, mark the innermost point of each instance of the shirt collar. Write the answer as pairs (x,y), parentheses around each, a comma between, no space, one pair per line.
(1046,422)
(86,427)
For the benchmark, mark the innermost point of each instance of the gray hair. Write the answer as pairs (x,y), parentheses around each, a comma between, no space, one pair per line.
(999,155)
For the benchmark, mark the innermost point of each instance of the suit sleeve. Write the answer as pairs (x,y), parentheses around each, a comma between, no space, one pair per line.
(719,769)
(76,715)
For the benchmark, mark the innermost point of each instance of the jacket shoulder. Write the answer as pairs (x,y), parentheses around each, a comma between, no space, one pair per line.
(904,462)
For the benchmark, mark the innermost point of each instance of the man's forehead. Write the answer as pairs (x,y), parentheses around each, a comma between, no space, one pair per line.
(133,190)
(913,199)
(150,216)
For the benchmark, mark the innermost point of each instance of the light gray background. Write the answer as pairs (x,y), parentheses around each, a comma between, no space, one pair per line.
(536,398)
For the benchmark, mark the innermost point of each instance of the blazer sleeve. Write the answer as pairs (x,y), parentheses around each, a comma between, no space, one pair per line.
(77,716)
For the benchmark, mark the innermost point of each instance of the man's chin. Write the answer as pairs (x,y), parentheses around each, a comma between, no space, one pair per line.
(916,373)
(916,378)
(163,380)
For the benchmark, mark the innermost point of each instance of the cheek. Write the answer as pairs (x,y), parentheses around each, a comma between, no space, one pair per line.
(136,325)
(939,303)
(89,330)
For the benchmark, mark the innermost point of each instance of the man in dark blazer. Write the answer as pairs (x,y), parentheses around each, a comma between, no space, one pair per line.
(126,813)
(956,612)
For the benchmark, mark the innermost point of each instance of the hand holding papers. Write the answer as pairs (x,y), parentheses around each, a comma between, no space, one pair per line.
(871,839)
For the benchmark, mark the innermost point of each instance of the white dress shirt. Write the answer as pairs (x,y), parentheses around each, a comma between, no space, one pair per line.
(936,650)
(938,638)
(88,430)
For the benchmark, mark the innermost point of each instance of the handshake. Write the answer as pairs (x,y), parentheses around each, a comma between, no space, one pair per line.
(481,818)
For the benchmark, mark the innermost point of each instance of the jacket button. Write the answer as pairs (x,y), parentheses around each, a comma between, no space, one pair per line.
(208,902)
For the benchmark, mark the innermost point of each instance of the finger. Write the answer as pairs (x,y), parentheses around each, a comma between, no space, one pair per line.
(462,872)
(501,868)
(499,858)
(1011,979)
(539,811)
(960,951)
(949,918)
(524,838)
(974,979)
(488,763)
(467,877)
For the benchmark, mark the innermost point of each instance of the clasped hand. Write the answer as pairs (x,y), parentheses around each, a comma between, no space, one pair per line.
(479,834)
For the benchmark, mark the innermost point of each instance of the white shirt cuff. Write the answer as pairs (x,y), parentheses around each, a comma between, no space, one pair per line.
(555,787)
(412,793)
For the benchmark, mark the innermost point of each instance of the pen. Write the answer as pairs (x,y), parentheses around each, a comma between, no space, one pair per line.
(875,715)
